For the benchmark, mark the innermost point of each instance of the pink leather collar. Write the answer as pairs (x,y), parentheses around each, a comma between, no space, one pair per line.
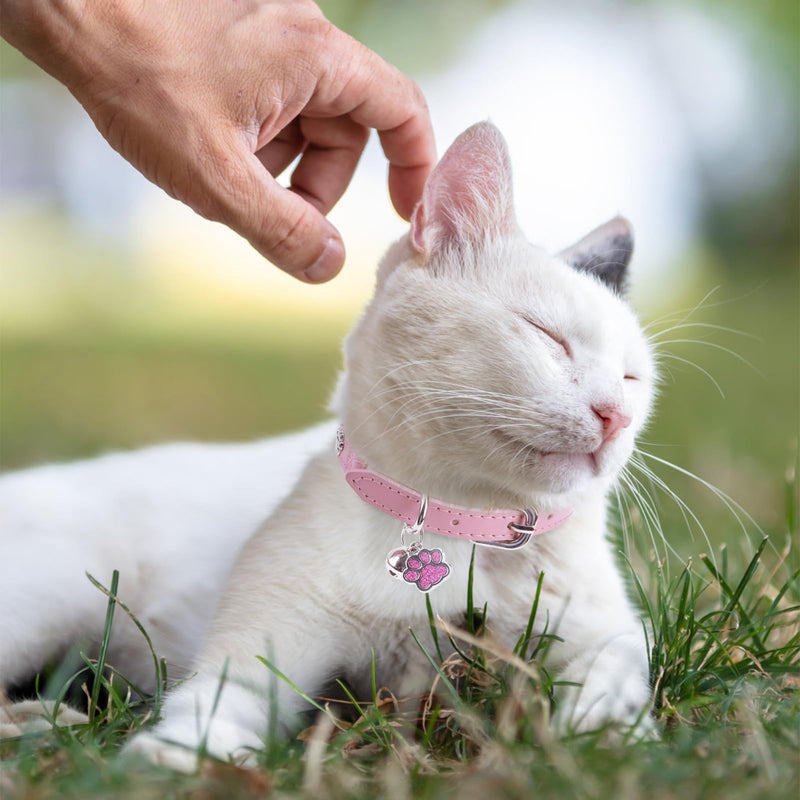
(503,528)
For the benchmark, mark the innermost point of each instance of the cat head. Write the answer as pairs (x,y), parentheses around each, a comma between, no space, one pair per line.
(485,367)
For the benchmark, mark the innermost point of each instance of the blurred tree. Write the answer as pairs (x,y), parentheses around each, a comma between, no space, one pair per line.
(759,224)
(417,36)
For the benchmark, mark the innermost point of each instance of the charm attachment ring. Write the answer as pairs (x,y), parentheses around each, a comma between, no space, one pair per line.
(415,530)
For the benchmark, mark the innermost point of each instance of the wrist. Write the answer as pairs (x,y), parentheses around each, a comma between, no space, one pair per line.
(55,34)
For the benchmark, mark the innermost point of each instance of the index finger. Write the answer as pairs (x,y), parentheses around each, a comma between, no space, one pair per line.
(377,95)
(411,151)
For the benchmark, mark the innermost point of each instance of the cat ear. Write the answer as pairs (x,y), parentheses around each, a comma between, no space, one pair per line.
(605,252)
(468,197)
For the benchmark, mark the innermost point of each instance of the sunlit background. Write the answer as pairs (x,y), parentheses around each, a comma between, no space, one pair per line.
(126,319)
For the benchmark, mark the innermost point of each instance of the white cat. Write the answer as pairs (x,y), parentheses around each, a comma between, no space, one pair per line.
(484,375)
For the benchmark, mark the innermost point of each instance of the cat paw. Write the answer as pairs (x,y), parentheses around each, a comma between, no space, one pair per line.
(27,716)
(596,705)
(151,748)
(177,746)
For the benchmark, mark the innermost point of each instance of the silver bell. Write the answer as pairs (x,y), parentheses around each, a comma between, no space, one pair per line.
(396,562)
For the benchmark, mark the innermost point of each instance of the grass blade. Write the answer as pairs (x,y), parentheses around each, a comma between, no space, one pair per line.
(101,658)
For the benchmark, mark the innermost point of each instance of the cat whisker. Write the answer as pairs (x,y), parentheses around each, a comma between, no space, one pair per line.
(471,389)
(673,357)
(431,416)
(437,404)
(682,315)
(485,425)
(646,505)
(456,397)
(389,373)
(434,384)
(654,338)
(623,510)
(461,403)
(716,346)
(423,395)
(684,509)
(736,509)
(685,313)
(504,445)
(478,404)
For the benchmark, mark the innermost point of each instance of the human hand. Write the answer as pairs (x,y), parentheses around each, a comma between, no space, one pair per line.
(212,100)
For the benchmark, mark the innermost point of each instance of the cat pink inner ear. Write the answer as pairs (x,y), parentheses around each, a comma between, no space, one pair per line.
(469,196)
(417,227)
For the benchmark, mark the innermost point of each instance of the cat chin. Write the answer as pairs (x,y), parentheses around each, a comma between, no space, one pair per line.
(552,475)
(567,473)
(550,471)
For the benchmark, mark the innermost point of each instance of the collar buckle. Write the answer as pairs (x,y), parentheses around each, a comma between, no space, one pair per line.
(524,530)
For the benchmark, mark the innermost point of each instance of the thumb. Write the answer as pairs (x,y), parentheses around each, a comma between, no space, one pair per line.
(284,227)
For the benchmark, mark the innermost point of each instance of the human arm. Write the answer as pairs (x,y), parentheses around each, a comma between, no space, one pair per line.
(211,100)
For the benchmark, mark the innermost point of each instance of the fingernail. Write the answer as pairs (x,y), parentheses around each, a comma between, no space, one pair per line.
(328,264)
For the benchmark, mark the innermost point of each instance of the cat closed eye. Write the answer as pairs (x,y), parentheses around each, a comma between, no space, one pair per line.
(557,339)
(632,378)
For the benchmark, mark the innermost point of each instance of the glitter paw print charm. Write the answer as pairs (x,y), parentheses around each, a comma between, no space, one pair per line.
(426,569)
(423,567)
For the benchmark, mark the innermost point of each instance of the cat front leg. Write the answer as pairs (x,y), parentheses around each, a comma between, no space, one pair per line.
(235,702)
(209,714)
(601,659)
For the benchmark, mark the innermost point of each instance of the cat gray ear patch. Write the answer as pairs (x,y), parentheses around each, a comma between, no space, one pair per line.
(605,252)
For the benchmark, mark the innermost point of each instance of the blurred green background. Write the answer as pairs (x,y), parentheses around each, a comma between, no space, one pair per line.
(127,321)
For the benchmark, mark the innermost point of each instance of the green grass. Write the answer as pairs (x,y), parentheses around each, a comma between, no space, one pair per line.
(87,390)
(725,665)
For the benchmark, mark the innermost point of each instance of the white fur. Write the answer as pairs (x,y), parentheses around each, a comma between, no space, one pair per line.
(171,519)
(450,389)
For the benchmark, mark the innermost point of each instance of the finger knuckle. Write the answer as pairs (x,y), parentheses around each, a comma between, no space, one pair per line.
(325,45)
(307,32)
(286,236)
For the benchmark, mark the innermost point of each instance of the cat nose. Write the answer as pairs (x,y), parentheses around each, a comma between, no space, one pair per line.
(613,421)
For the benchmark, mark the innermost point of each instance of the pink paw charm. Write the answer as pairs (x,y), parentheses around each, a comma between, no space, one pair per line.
(426,569)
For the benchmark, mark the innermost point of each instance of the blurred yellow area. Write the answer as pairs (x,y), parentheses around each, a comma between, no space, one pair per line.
(53,276)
